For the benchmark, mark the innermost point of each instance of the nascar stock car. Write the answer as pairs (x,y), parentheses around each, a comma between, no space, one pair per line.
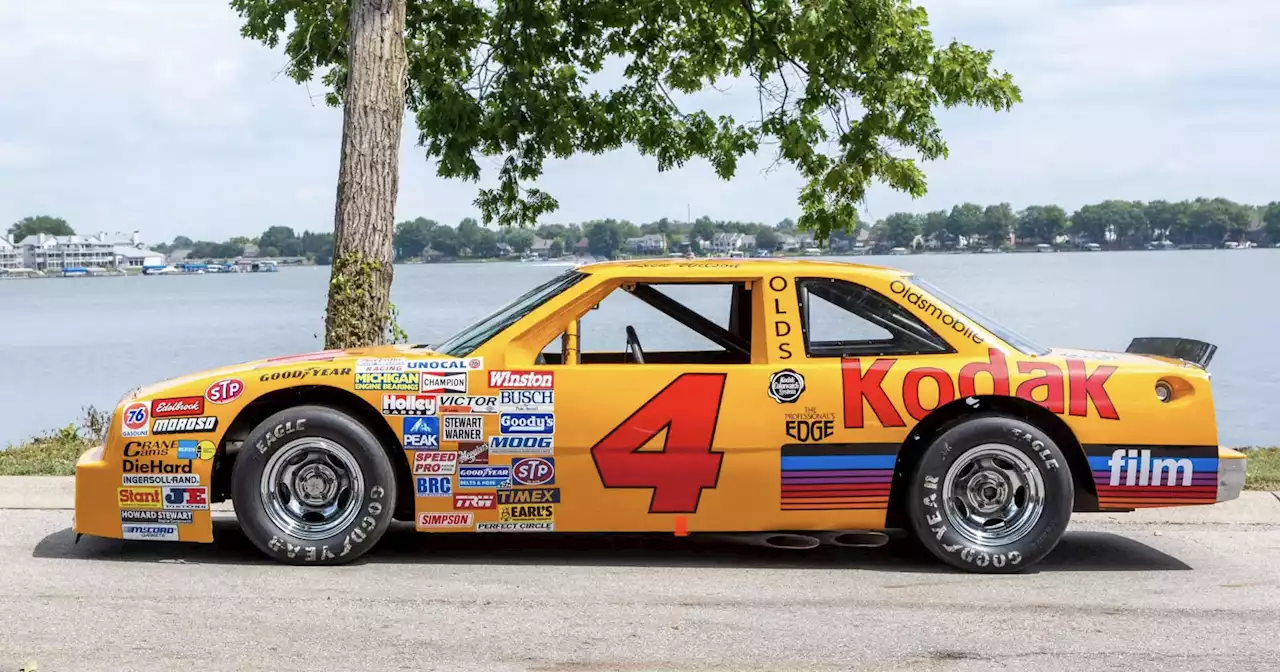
(824,402)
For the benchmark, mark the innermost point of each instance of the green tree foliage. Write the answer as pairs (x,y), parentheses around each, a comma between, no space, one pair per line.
(1041,224)
(997,222)
(1271,220)
(965,220)
(413,237)
(768,239)
(184,243)
(900,229)
(840,85)
(31,226)
(444,239)
(520,240)
(605,238)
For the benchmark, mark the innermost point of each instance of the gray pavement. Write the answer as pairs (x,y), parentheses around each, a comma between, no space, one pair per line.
(1185,589)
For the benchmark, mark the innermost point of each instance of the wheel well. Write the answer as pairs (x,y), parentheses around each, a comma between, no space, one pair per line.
(321,395)
(943,418)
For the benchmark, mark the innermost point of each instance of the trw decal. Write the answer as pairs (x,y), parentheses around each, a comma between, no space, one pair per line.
(1070,394)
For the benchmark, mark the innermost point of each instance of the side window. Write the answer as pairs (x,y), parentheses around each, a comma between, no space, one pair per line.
(841,318)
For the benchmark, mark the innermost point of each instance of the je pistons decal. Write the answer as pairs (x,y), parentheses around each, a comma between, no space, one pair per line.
(786,386)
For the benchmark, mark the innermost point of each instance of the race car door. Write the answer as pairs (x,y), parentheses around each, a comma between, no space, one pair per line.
(655,383)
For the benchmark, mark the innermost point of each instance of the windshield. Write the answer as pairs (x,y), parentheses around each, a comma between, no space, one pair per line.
(467,340)
(1023,344)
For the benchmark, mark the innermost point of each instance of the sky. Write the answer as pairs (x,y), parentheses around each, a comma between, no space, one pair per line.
(157,116)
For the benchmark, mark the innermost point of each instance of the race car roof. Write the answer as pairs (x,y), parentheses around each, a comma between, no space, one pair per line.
(692,268)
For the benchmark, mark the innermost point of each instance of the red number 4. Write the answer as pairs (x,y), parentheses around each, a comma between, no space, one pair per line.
(688,409)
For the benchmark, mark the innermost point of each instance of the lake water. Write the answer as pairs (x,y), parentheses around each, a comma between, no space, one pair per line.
(69,343)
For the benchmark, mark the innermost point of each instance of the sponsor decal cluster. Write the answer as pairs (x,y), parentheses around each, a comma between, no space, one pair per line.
(156,459)
(1073,392)
(384,365)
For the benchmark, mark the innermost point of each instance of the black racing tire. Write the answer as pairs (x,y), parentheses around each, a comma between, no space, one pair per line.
(986,461)
(309,433)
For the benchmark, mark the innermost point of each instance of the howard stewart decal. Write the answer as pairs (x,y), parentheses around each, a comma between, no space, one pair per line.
(1132,477)
(865,388)
(837,476)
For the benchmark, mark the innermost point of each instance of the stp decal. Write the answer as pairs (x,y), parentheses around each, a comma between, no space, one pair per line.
(224,391)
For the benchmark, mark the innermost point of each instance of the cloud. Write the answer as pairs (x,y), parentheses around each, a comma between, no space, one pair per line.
(159,116)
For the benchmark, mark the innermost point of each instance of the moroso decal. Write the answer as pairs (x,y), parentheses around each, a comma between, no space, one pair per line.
(865,388)
(837,476)
(1131,477)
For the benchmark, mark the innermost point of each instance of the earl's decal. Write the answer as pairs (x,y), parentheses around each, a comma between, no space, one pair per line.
(865,388)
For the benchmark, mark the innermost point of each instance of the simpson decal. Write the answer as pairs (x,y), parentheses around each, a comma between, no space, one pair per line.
(444,520)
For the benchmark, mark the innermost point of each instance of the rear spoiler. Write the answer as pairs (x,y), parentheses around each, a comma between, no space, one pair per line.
(1185,349)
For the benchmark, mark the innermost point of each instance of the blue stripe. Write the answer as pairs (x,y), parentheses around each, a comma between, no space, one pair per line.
(1097,463)
(821,462)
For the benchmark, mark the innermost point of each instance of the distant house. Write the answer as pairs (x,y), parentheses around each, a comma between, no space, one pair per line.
(724,243)
(10,255)
(132,257)
(44,252)
(652,243)
(540,247)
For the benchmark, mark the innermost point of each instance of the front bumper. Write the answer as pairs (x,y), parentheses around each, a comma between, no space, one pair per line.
(1231,471)
(98,508)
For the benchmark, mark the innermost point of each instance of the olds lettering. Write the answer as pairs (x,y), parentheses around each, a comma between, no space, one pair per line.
(781,323)
(864,389)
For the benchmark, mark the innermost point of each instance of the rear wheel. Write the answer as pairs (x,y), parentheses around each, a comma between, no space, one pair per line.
(312,485)
(992,494)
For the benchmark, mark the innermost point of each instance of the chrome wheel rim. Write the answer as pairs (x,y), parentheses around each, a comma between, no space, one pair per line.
(310,488)
(993,495)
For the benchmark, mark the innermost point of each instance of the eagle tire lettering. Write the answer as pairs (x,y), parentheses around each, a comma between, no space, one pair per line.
(342,544)
(927,495)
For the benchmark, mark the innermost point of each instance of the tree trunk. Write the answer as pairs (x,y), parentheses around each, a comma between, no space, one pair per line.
(358,313)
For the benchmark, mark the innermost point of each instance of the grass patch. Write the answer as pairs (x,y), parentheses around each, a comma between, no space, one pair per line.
(55,453)
(1263,470)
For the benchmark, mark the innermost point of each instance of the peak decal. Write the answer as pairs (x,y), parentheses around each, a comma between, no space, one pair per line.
(1071,393)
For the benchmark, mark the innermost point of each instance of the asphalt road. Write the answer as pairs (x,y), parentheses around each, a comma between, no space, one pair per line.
(1188,590)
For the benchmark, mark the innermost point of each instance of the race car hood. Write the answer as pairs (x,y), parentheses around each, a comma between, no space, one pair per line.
(342,356)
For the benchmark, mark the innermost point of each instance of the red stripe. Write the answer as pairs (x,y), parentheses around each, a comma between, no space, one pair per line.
(836,486)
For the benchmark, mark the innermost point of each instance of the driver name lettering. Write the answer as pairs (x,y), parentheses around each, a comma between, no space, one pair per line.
(1071,393)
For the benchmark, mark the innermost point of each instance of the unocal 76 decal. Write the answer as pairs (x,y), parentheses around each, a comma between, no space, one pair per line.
(688,409)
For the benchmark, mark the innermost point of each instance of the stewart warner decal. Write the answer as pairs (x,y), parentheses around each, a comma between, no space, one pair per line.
(1072,394)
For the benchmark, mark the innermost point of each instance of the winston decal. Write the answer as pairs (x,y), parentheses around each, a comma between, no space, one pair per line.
(1072,393)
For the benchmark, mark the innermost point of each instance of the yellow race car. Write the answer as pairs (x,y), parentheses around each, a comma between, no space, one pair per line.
(824,403)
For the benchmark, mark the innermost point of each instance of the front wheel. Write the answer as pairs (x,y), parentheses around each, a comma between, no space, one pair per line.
(992,494)
(313,486)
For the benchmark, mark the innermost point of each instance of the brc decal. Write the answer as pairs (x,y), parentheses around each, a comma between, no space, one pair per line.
(688,408)
(865,389)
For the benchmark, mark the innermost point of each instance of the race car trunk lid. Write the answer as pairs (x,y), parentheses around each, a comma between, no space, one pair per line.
(1177,350)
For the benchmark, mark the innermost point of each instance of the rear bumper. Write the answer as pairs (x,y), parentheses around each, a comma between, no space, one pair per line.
(1231,471)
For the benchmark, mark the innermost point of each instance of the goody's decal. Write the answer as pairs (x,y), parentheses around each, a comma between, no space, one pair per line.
(533,471)
(135,418)
(527,423)
(421,432)
(526,400)
(484,477)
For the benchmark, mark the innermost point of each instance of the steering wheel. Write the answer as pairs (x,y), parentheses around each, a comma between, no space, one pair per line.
(633,346)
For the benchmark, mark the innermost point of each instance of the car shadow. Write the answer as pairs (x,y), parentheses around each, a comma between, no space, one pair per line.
(1078,551)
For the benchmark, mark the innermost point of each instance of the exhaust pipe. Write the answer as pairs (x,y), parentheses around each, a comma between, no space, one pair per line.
(855,539)
(794,542)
